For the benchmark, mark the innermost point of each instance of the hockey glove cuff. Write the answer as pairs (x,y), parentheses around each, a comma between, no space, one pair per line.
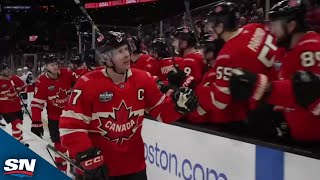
(185,99)
(92,163)
(248,86)
(37,128)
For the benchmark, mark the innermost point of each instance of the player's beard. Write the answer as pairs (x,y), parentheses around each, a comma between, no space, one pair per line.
(285,40)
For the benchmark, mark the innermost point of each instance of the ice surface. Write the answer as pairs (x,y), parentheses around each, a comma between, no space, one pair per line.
(36,144)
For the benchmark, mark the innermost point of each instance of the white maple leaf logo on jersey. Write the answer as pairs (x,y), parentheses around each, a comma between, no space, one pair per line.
(121,124)
(61,98)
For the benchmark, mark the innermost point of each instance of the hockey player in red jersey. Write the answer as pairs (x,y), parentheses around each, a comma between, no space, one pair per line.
(302,46)
(101,126)
(10,104)
(193,63)
(297,91)
(90,61)
(165,62)
(249,47)
(140,60)
(52,88)
(211,50)
(77,66)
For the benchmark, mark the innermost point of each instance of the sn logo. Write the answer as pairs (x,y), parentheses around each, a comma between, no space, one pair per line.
(20,167)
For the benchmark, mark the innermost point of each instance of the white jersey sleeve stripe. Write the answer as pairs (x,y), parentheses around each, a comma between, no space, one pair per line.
(41,101)
(157,104)
(216,103)
(77,116)
(225,90)
(64,131)
(37,106)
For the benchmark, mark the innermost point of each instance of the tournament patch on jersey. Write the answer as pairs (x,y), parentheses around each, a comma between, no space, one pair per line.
(51,88)
(106,96)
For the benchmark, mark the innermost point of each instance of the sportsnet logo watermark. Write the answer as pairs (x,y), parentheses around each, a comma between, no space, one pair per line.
(19,167)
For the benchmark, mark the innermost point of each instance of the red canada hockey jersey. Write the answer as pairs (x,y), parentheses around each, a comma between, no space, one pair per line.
(9,100)
(145,62)
(165,65)
(194,65)
(251,49)
(110,116)
(200,116)
(304,56)
(304,126)
(79,72)
(83,70)
(54,92)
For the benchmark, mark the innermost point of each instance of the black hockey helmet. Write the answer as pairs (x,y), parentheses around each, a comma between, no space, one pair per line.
(226,13)
(214,46)
(160,46)
(186,34)
(3,66)
(50,58)
(289,10)
(135,44)
(77,59)
(90,58)
(112,40)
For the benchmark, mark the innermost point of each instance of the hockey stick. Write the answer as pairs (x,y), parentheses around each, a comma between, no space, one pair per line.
(49,146)
(72,162)
(21,100)
(193,27)
(84,11)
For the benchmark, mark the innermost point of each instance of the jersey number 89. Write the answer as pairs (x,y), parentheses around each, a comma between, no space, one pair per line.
(309,58)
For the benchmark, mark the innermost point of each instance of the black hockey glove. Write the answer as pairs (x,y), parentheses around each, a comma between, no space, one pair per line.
(176,77)
(306,87)
(186,100)
(92,163)
(245,85)
(248,86)
(37,128)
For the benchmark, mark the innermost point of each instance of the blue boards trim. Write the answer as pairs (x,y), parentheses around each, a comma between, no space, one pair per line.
(269,164)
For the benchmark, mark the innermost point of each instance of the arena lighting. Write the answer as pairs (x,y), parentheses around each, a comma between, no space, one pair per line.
(96,5)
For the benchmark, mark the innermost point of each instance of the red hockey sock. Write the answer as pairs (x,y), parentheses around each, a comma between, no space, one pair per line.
(60,162)
(16,131)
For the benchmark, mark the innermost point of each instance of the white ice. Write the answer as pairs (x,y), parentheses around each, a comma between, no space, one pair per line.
(36,144)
